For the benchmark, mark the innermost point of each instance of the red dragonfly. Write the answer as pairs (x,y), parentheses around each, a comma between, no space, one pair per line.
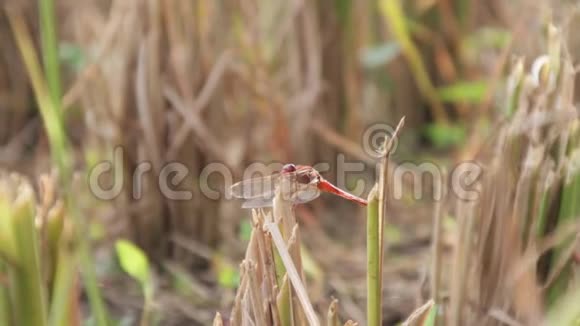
(297,184)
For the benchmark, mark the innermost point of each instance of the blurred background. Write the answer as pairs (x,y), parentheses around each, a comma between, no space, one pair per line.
(238,82)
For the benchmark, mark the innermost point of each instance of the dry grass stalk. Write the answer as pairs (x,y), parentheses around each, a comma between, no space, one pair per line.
(375,230)
(502,265)
(332,315)
(255,290)
(182,72)
(419,315)
(292,273)
(436,251)
(217,321)
(462,263)
(275,300)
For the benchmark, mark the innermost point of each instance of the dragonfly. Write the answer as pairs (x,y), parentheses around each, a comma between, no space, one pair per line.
(296,184)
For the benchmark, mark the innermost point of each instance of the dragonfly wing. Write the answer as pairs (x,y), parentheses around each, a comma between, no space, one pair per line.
(300,197)
(258,203)
(306,195)
(254,188)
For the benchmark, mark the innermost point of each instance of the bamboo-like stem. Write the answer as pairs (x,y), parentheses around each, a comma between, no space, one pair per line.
(376,219)
(373,260)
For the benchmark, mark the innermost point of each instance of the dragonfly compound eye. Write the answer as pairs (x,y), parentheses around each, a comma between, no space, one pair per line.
(303,178)
(289,168)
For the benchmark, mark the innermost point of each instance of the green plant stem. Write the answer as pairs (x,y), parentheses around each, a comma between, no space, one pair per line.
(60,153)
(569,210)
(395,17)
(282,211)
(373,261)
(62,289)
(5,307)
(279,266)
(93,292)
(52,122)
(28,289)
(283,302)
(50,51)
(88,271)
(148,294)
(376,220)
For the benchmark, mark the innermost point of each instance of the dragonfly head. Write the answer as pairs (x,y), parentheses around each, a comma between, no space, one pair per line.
(302,174)
(308,176)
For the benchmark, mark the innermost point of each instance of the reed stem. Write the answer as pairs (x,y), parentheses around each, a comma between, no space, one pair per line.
(374,311)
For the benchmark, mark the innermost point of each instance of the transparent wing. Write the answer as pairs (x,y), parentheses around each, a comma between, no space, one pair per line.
(258,203)
(260,192)
(305,195)
(262,187)
(300,197)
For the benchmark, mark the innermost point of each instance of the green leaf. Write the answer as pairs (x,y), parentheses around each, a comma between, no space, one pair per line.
(133,261)
(228,277)
(463,91)
(378,56)
(444,136)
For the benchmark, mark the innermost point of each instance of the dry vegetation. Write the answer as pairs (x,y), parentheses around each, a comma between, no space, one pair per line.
(238,82)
